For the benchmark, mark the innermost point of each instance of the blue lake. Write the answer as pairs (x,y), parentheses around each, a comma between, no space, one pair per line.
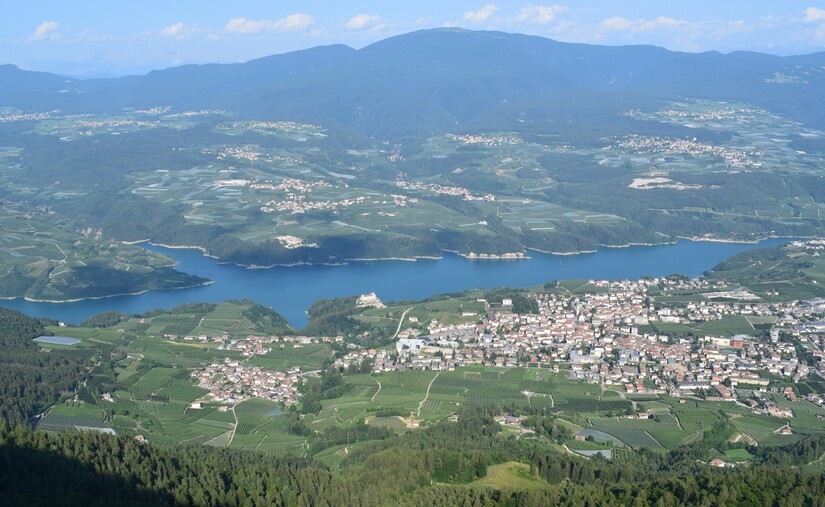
(290,290)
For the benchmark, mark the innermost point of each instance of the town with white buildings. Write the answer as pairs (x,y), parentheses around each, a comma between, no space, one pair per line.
(629,335)
(609,336)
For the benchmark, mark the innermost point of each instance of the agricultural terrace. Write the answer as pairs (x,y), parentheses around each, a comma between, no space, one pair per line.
(45,257)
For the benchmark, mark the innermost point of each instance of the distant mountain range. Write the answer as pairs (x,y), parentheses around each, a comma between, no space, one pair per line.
(444,79)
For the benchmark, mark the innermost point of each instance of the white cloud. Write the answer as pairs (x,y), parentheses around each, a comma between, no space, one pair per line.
(678,34)
(539,14)
(44,29)
(175,30)
(291,23)
(617,24)
(480,15)
(814,15)
(297,21)
(734,27)
(243,25)
(362,21)
(662,21)
(620,24)
(819,35)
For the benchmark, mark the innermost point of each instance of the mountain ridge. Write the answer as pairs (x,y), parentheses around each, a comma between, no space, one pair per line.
(434,80)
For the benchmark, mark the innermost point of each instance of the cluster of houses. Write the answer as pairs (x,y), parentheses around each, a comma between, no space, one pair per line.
(732,157)
(296,190)
(192,114)
(232,381)
(248,346)
(152,111)
(252,345)
(359,357)
(244,152)
(250,153)
(435,188)
(292,185)
(609,336)
(28,116)
(717,113)
(267,127)
(485,140)
(298,203)
(288,241)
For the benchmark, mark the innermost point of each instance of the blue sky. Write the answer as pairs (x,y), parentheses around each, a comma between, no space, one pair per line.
(94,37)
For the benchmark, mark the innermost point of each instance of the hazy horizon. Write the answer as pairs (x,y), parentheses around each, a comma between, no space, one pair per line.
(96,39)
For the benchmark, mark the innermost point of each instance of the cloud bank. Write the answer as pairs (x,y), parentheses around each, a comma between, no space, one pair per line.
(292,23)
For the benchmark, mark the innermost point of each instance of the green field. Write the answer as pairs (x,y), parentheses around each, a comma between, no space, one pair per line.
(44,257)
(229,318)
(738,455)
(511,474)
(727,326)
(805,413)
(471,386)
(152,388)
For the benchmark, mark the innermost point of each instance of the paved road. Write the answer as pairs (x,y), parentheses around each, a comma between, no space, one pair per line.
(398,329)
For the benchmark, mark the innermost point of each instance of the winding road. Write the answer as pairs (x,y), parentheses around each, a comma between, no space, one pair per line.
(421,403)
(401,321)
(379,388)
(232,436)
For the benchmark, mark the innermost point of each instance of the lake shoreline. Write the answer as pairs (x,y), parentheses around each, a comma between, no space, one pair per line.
(290,291)
(469,256)
(95,298)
